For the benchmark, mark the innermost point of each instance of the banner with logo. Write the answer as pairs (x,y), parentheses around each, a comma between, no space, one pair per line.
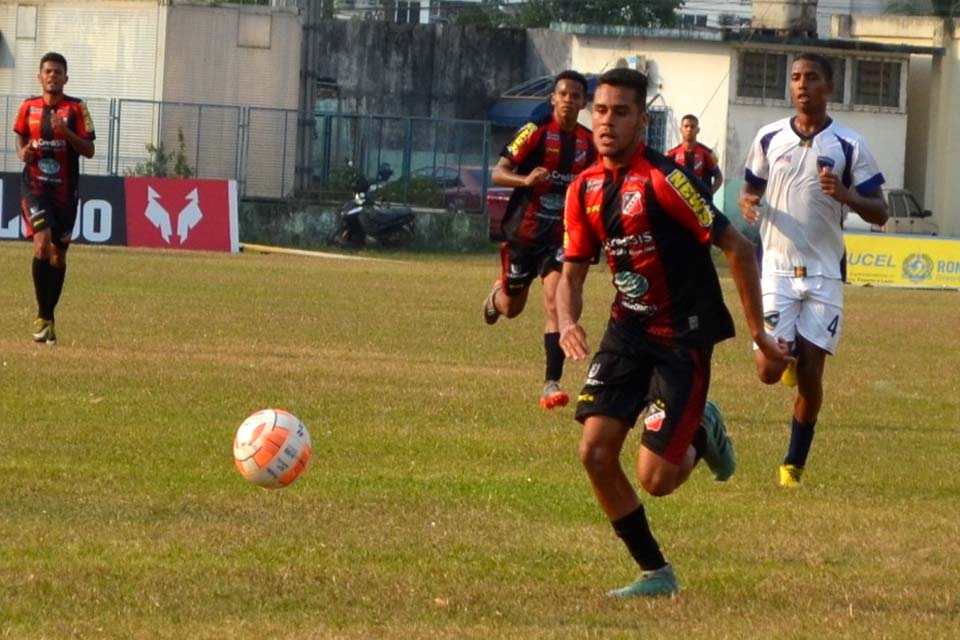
(902,261)
(167,213)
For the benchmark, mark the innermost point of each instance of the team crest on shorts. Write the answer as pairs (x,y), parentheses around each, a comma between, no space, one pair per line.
(655,415)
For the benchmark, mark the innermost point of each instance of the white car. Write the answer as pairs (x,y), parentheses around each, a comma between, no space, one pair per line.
(906,216)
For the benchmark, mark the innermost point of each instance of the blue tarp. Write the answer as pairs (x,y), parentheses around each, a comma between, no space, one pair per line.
(516,112)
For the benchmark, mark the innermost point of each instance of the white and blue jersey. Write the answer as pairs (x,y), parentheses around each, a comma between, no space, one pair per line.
(800,227)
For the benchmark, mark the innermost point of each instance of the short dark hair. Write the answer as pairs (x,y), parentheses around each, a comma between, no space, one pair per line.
(820,61)
(53,56)
(570,74)
(690,116)
(630,78)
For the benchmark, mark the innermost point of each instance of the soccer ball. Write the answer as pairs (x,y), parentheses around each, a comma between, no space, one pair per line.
(271,448)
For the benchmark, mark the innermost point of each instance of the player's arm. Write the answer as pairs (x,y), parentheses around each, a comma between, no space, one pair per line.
(83,146)
(869,206)
(505,175)
(716,179)
(25,151)
(573,338)
(739,253)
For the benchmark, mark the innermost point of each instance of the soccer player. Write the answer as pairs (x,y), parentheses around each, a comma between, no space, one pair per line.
(655,222)
(698,158)
(809,167)
(541,160)
(53,131)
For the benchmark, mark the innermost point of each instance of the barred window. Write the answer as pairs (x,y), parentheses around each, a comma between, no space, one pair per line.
(762,75)
(876,83)
(839,79)
(657,129)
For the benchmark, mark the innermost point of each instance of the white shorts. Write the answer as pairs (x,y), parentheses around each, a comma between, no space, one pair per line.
(811,307)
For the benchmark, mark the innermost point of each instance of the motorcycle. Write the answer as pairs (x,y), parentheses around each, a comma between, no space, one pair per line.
(363,217)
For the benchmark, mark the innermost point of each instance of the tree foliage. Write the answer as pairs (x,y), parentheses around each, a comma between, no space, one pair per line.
(540,13)
(159,160)
(942,8)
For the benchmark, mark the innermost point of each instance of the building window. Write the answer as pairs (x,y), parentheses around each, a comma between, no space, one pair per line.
(657,129)
(876,83)
(27,22)
(690,20)
(839,66)
(762,75)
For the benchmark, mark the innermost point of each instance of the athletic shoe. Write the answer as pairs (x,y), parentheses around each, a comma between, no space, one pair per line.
(490,313)
(790,475)
(789,377)
(43,331)
(553,395)
(719,454)
(661,582)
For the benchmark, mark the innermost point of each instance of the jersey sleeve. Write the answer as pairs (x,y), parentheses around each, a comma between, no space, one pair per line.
(683,198)
(20,125)
(712,163)
(84,127)
(580,244)
(523,143)
(757,169)
(867,177)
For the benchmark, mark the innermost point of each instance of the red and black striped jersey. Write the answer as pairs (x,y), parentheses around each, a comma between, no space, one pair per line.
(655,222)
(701,161)
(55,170)
(534,215)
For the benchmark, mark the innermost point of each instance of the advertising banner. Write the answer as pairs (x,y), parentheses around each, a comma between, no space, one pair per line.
(883,259)
(165,213)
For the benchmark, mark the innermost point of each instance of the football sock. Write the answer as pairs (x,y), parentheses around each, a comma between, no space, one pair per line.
(699,442)
(57,277)
(555,357)
(634,530)
(41,287)
(801,437)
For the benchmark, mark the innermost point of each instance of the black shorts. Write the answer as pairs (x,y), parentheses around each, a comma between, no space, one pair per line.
(42,212)
(520,264)
(630,373)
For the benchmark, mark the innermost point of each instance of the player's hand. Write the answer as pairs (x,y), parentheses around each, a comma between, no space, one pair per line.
(57,121)
(573,341)
(749,204)
(832,186)
(28,153)
(776,351)
(536,176)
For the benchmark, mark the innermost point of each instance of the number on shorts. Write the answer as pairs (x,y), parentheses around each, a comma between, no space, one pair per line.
(832,327)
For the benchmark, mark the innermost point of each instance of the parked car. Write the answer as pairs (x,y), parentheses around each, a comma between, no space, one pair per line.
(461,188)
(906,216)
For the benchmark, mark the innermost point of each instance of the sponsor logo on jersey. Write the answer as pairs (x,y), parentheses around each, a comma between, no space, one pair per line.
(553,137)
(656,413)
(580,155)
(633,245)
(631,203)
(594,184)
(631,284)
(592,209)
(692,197)
(565,178)
(551,201)
(522,136)
(49,166)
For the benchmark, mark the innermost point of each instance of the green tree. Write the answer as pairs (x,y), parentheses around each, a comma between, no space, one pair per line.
(159,160)
(942,8)
(636,13)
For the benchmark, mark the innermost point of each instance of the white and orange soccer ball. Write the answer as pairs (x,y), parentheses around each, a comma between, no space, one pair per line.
(271,448)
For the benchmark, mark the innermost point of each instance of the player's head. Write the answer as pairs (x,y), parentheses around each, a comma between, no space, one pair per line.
(689,128)
(569,96)
(53,73)
(811,82)
(620,113)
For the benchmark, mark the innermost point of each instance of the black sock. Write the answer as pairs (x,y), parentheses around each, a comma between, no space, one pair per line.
(635,533)
(555,357)
(801,437)
(41,287)
(57,276)
(699,442)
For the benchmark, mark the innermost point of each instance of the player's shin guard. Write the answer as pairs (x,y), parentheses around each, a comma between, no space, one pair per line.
(634,530)
(555,356)
(41,287)
(57,276)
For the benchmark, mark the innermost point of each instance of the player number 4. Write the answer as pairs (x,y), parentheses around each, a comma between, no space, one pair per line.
(832,327)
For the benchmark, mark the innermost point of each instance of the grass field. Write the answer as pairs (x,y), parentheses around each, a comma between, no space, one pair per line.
(441,502)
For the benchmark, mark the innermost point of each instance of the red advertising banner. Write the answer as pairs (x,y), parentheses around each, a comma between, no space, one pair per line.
(173,213)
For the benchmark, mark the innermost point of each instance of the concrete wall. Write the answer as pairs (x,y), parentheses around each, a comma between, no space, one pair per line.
(443,71)
(548,52)
(691,77)
(934,129)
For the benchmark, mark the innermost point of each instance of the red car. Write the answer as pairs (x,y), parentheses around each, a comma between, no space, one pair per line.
(463,191)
